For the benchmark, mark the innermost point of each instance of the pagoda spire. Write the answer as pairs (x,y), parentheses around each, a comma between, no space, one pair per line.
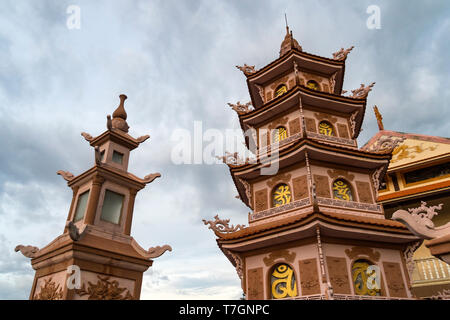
(289,41)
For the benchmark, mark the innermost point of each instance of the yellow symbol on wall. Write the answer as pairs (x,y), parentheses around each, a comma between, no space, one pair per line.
(311,84)
(404,151)
(281,195)
(326,129)
(281,90)
(342,191)
(279,134)
(360,279)
(283,282)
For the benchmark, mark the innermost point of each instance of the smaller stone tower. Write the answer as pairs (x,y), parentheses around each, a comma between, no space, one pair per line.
(95,257)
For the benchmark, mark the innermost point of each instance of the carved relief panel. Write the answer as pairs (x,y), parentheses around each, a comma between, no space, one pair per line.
(338,273)
(255,286)
(309,276)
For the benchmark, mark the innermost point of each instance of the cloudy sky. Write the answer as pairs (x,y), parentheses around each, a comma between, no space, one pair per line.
(176,60)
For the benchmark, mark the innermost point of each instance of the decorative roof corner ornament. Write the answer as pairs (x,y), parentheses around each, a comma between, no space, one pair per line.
(222,226)
(65,174)
(246,69)
(108,122)
(362,92)
(418,221)
(87,136)
(141,139)
(156,252)
(241,108)
(232,159)
(342,54)
(74,232)
(150,177)
(98,156)
(344,92)
(119,116)
(27,251)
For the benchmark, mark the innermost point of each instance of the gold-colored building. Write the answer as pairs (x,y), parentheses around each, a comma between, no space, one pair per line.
(419,171)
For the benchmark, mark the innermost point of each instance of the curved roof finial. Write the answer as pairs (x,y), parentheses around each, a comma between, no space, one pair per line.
(120,116)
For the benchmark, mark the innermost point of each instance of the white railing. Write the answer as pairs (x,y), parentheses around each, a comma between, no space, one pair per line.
(430,270)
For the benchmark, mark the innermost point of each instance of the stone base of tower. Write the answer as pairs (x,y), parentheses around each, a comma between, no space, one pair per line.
(98,266)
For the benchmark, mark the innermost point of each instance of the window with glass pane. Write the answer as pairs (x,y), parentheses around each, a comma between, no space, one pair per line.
(117,157)
(81,206)
(112,207)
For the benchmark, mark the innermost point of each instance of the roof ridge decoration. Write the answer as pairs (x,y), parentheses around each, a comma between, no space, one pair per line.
(342,53)
(379,118)
(222,225)
(385,145)
(246,69)
(241,108)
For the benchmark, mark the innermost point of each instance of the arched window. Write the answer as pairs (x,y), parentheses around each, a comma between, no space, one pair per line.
(311,84)
(282,89)
(342,190)
(282,280)
(281,195)
(279,134)
(366,282)
(326,128)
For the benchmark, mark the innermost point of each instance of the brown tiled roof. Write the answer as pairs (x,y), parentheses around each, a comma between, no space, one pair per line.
(303,218)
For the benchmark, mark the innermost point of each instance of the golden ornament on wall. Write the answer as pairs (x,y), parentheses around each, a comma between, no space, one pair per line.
(281,195)
(283,282)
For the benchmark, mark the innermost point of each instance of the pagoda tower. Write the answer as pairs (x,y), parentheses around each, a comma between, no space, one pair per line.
(315,230)
(95,257)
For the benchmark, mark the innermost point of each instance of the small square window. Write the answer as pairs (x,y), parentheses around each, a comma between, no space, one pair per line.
(81,206)
(112,207)
(117,157)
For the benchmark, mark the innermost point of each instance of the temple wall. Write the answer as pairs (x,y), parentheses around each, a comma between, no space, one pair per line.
(290,121)
(360,183)
(302,259)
